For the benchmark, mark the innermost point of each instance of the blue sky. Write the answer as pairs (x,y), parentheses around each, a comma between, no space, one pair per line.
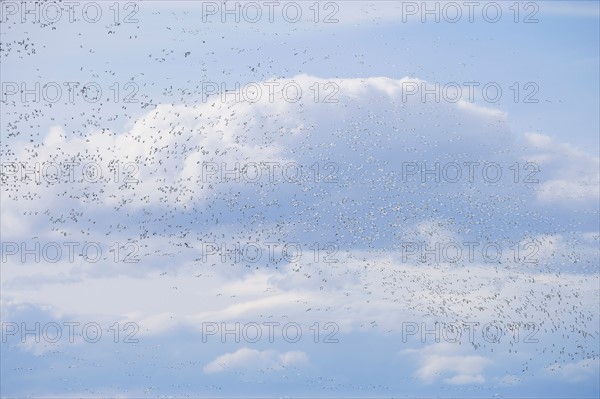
(372,266)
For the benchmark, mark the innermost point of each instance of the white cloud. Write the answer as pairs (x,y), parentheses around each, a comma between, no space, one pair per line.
(170,143)
(569,174)
(170,177)
(363,286)
(361,289)
(252,359)
(441,361)
(574,372)
(464,379)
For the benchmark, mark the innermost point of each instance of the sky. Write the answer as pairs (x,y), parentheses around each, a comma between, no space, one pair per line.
(299,199)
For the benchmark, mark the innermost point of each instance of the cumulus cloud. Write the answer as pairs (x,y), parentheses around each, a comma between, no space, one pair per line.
(177,157)
(574,372)
(572,175)
(441,361)
(370,209)
(252,359)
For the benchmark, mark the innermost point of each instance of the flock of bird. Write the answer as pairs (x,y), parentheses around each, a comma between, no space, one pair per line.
(153,192)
